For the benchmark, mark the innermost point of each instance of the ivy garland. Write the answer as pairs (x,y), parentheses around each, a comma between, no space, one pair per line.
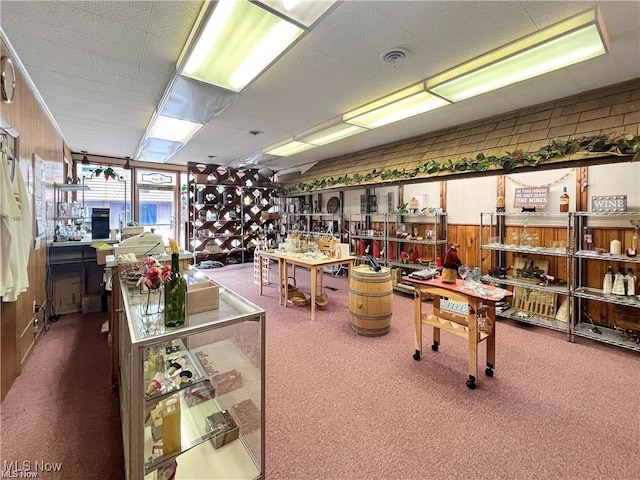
(627,144)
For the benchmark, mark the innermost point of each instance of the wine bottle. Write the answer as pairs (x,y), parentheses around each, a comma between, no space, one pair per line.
(631,283)
(607,283)
(175,292)
(373,264)
(564,200)
(588,239)
(618,283)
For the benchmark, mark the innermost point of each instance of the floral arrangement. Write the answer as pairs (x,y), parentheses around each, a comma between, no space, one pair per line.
(108,173)
(153,273)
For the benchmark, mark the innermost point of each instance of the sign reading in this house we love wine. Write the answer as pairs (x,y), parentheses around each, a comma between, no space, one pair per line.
(531,197)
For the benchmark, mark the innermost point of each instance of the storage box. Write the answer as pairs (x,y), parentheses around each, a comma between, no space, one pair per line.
(224,428)
(202,297)
(101,255)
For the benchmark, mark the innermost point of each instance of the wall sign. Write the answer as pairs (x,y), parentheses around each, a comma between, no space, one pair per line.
(531,197)
(609,203)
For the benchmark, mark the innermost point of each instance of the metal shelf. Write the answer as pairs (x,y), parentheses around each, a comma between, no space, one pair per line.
(400,287)
(598,295)
(566,252)
(413,266)
(607,335)
(592,255)
(564,290)
(528,214)
(418,242)
(540,321)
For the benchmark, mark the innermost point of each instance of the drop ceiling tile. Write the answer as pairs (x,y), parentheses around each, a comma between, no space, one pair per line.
(160,53)
(152,83)
(119,42)
(117,94)
(174,19)
(547,13)
(64,84)
(134,14)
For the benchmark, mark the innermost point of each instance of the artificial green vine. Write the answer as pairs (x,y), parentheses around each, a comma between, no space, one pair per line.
(627,144)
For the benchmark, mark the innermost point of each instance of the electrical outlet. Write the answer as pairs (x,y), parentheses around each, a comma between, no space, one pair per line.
(35,305)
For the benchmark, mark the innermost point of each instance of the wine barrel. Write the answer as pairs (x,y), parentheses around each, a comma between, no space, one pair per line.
(370,300)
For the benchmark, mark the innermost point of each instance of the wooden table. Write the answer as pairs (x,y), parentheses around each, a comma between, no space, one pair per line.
(315,265)
(461,312)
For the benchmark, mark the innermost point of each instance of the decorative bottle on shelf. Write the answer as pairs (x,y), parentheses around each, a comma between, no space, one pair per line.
(607,284)
(631,283)
(175,292)
(564,200)
(587,239)
(618,283)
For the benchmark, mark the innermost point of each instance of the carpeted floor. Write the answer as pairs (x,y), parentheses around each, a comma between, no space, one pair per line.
(346,407)
(61,410)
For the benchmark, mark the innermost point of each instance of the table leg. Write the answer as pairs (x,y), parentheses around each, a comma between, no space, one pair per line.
(259,270)
(491,343)
(285,278)
(472,338)
(417,322)
(314,284)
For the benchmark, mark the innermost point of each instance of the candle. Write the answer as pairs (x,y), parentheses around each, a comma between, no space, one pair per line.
(616,247)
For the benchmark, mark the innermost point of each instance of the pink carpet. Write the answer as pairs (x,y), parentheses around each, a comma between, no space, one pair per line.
(342,406)
(61,409)
(345,407)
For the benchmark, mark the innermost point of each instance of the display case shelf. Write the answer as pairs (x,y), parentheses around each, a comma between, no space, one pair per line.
(193,421)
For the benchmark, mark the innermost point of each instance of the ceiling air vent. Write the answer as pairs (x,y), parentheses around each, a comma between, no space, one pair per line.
(395,55)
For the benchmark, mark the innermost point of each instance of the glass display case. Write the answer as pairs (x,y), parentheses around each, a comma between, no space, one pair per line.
(191,397)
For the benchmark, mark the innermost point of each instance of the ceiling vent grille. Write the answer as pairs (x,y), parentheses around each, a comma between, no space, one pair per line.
(395,55)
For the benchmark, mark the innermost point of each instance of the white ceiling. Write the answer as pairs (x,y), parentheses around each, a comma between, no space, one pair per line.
(103,66)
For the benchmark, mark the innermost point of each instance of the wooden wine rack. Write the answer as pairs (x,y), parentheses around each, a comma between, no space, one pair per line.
(230,212)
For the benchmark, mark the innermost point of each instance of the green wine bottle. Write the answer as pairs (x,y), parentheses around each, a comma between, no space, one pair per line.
(175,291)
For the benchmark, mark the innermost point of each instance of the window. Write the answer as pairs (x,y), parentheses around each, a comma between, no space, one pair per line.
(112,193)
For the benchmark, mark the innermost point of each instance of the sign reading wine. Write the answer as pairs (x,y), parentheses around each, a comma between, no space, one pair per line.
(609,203)
(531,197)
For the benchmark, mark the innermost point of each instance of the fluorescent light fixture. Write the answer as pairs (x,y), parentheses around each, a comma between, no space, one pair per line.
(329,132)
(301,11)
(173,129)
(565,43)
(288,148)
(157,149)
(397,106)
(237,42)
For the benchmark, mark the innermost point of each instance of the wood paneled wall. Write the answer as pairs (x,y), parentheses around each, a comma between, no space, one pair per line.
(37,135)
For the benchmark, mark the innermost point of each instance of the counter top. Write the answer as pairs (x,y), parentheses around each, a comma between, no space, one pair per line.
(87,241)
(112,261)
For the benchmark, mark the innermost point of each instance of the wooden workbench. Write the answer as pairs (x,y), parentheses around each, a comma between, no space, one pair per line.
(315,265)
(462,312)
